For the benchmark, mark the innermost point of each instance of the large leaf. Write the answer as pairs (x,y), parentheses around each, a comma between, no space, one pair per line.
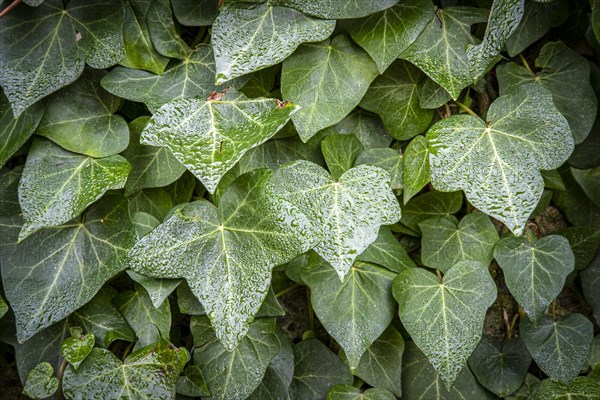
(535,271)
(445,242)
(150,372)
(415,171)
(14,132)
(225,254)
(312,78)
(59,269)
(566,75)
(395,97)
(58,185)
(497,162)
(560,348)
(337,9)
(440,51)
(355,311)
(236,374)
(347,212)
(248,37)
(386,34)
(210,136)
(582,388)
(445,318)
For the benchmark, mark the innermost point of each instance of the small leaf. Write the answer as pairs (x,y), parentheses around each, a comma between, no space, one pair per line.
(158,289)
(311,78)
(77,347)
(191,383)
(445,319)
(340,151)
(415,167)
(560,348)
(497,162)
(14,132)
(527,390)
(346,392)
(428,205)
(138,310)
(41,382)
(385,158)
(367,127)
(348,212)
(337,9)
(581,388)
(3,307)
(535,272)
(248,37)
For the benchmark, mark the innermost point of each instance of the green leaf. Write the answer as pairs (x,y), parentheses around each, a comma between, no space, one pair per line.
(316,370)
(440,51)
(582,388)
(59,269)
(345,392)
(503,21)
(340,151)
(433,95)
(584,243)
(138,310)
(248,37)
(225,254)
(348,212)
(385,158)
(500,366)
(236,374)
(590,283)
(191,383)
(195,12)
(355,311)
(367,127)
(415,167)
(210,136)
(396,97)
(535,272)
(429,205)
(3,307)
(14,132)
(527,390)
(150,372)
(157,202)
(337,9)
(446,242)
(162,32)
(386,34)
(158,289)
(560,348)
(497,162)
(58,185)
(380,365)
(387,252)
(77,347)
(445,318)
(574,203)
(41,382)
(563,71)
(589,180)
(311,78)
(420,380)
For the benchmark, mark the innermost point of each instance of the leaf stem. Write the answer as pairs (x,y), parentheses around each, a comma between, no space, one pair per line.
(59,376)
(554,307)
(439,276)
(10,7)
(287,290)
(526,64)
(466,109)
(448,111)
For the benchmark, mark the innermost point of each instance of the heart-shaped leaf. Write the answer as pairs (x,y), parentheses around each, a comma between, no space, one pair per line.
(195,12)
(41,382)
(497,162)
(248,37)
(77,347)
(210,136)
(445,318)
(225,254)
(337,9)
(535,271)
(347,212)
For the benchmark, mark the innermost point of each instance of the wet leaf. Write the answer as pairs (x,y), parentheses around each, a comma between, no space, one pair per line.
(346,392)
(41,382)
(337,9)
(387,159)
(582,388)
(77,347)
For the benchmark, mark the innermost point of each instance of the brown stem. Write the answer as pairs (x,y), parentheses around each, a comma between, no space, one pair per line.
(10,7)
(439,275)
(59,375)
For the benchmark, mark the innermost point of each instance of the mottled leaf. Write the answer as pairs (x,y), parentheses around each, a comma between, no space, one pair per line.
(41,382)
(337,9)
(77,347)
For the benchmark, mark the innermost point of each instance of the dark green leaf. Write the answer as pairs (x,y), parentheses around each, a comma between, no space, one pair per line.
(415,167)
(387,251)
(162,32)
(584,243)
(138,310)
(367,127)
(590,282)
(157,289)
(429,205)
(345,392)
(14,132)
(589,180)
(527,390)
(195,12)
(340,151)
(337,9)
(191,383)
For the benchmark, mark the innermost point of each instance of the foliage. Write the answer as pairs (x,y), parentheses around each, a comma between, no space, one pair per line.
(298,199)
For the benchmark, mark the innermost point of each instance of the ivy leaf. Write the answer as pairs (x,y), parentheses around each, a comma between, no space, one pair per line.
(395,97)
(562,71)
(150,372)
(210,136)
(440,51)
(385,158)
(316,85)
(235,374)
(500,366)
(192,383)
(340,151)
(445,318)
(41,382)
(433,95)
(3,307)
(14,132)
(191,77)
(527,390)
(535,271)
(502,22)
(337,9)
(386,34)
(590,283)
(560,348)
(138,310)
(195,12)
(248,37)
(52,190)
(497,162)
(316,370)
(157,202)
(584,242)
(158,289)
(446,242)
(225,254)
(162,32)
(77,347)
(348,211)
(380,365)
(346,392)
(581,388)
(367,127)
(355,311)
(387,252)
(415,167)
(429,205)
(69,262)
(588,179)
(80,118)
